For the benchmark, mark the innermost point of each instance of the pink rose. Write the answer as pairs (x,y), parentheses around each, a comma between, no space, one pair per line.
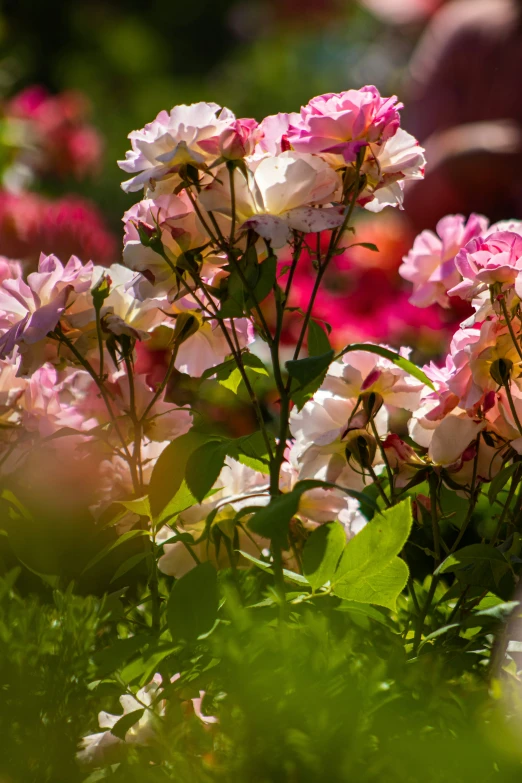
(343,123)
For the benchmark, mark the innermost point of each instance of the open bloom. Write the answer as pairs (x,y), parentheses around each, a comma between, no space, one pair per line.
(496,258)
(179,229)
(174,138)
(430,264)
(343,123)
(388,169)
(104,747)
(364,373)
(234,141)
(320,430)
(282,193)
(238,486)
(273,133)
(29,311)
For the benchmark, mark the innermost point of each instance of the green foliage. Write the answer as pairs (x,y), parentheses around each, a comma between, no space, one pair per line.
(193,603)
(476,564)
(369,570)
(45,668)
(322,552)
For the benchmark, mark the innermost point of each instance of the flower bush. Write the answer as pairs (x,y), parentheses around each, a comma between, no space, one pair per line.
(307,528)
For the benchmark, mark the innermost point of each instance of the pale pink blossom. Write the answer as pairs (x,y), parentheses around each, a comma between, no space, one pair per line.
(496,258)
(362,372)
(34,309)
(105,748)
(274,133)
(473,352)
(233,142)
(343,123)
(320,429)
(9,269)
(320,505)
(120,314)
(238,486)
(283,192)
(208,347)
(172,140)
(388,169)
(179,229)
(430,264)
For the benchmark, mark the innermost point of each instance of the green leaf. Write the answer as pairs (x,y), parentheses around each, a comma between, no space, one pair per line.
(380,588)
(114,545)
(204,466)
(321,553)
(182,500)
(291,575)
(265,282)
(308,374)
(477,564)
(307,369)
(112,658)
(272,521)
(251,450)
(501,480)
(500,613)
(318,342)
(128,565)
(376,544)
(365,611)
(169,472)
(398,360)
(439,632)
(229,376)
(232,381)
(369,570)
(143,668)
(139,506)
(222,370)
(193,603)
(126,722)
(367,245)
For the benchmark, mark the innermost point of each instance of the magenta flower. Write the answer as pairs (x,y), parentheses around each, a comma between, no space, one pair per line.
(343,123)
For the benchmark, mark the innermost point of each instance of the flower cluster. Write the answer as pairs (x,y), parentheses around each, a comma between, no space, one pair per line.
(223,199)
